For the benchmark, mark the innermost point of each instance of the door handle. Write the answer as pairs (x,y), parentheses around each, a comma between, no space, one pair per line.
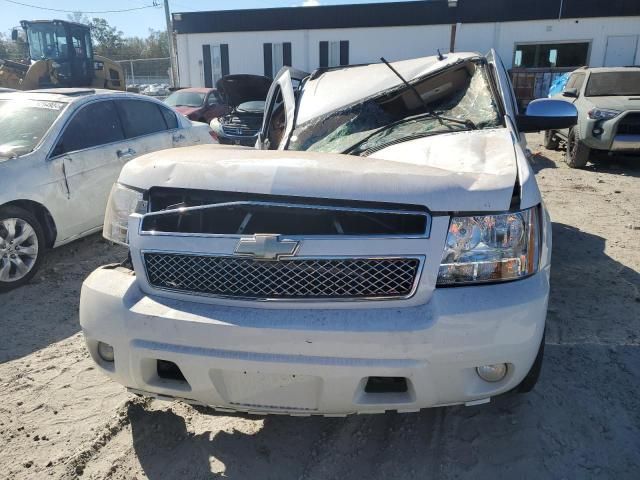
(128,153)
(178,138)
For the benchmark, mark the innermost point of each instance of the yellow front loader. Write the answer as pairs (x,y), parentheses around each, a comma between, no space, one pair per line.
(60,55)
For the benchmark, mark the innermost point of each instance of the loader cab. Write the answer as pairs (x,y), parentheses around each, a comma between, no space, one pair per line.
(67,44)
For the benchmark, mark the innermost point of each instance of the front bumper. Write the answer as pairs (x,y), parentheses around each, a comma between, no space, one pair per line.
(316,361)
(610,139)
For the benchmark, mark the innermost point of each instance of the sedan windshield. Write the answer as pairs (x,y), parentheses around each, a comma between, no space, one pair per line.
(185,99)
(605,84)
(462,94)
(24,123)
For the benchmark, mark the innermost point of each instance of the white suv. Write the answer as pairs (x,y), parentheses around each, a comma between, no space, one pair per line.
(61,151)
(387,250)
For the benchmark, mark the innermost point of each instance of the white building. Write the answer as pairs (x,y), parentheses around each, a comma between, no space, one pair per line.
(538,34)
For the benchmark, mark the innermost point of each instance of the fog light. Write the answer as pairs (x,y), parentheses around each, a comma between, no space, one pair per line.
(492,373)
(597,131)
(105,351)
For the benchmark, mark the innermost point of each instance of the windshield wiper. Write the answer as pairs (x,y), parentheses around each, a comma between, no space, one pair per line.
(414,136)
(441,118)
(355,147)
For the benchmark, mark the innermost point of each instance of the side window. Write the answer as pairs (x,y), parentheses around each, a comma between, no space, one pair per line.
(275,119)
(140,117)
(575,81)
(579,80)
(169,117)
(212,100)
(95,124)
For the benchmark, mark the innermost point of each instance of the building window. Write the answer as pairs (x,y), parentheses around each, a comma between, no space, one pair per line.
(215,62)
(545,55)
(334,54)
(276,56)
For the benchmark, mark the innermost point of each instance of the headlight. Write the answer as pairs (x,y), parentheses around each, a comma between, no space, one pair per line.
(123,201)
(602,114)
(491,248)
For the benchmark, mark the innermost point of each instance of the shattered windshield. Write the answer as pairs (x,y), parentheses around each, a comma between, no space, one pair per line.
(24,123)
(460,93)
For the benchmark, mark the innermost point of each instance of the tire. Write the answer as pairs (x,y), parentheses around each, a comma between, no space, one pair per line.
(551,141)
(19,262)
(577,152)
(528,382)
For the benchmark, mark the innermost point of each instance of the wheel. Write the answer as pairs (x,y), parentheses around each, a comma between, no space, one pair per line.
(551,142)
(528,382)
(22,245)
(577,152)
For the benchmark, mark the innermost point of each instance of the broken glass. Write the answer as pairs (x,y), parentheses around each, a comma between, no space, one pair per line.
(386,119)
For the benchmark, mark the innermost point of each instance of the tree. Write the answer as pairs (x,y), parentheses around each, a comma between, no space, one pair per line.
(11,50)
(157,44)
(108,40)
(78,17)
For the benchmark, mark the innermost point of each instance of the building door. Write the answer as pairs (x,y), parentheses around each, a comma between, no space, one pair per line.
(621,50)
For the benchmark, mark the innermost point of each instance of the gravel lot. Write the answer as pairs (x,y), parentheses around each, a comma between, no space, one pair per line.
(60,418)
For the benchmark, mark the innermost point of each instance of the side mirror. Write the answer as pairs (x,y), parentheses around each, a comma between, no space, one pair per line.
(570,92)
(547,114)
(14,34)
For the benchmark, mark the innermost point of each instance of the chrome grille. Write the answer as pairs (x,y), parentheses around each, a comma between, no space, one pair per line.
(339,278)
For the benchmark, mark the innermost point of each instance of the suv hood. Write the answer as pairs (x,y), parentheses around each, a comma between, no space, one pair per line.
(466,171)
(621,103)
(237,89)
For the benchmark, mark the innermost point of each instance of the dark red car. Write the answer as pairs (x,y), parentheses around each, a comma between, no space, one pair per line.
(198,104)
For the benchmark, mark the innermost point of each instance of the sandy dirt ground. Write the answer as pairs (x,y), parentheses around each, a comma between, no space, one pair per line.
(62,419)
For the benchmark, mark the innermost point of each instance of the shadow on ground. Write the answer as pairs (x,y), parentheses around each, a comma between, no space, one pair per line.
(539,162)
(577,423)
(46,310)
(593,297)
(599,162)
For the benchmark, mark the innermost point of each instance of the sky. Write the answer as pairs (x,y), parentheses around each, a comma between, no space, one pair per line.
(137,22)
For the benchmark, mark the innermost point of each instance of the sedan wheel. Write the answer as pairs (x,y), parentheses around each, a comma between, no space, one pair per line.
(21,244)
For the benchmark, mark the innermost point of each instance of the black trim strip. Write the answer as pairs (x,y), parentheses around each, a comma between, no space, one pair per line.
(224,59)
(206,63)
(324,54)
(397,14)
(268,60)
(286,54)
(344,52)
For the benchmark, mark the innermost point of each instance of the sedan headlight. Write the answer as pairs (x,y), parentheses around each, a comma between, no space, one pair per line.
(491,248)
(602,114)
(123,201)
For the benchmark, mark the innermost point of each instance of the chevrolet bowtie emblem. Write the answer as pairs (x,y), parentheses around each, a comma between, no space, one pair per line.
(268,247)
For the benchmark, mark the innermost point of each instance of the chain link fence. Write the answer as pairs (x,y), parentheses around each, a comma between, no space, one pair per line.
(147,71)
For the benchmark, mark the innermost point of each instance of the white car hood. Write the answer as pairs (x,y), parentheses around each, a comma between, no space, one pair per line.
(465,171)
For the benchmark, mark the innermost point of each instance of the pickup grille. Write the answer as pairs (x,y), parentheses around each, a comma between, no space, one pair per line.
(231,213)
(334,278)
(629,124)
(233,125)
